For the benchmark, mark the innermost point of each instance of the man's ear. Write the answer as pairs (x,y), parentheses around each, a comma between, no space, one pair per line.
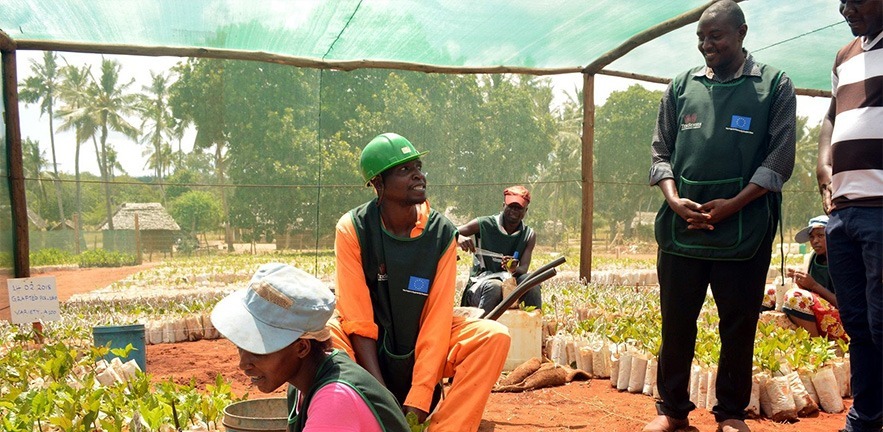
(743,31)
(377,182)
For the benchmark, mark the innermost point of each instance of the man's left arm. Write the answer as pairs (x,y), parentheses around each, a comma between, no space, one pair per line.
(778,164)
(524,260)
(433,341)
(825,164)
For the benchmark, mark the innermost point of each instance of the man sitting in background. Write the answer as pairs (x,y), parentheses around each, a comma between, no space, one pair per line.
(502,234)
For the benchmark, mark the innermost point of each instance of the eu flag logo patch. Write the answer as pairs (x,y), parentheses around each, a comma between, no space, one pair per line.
(740,123)
(418,285)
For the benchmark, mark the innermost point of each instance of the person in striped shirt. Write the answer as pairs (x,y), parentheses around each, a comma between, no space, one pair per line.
(850,175)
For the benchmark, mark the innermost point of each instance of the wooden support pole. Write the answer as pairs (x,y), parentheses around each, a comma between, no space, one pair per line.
(20,259)
(647,35)
(588,179)
(305,62)
(139,257)
(344,65)
(6,42)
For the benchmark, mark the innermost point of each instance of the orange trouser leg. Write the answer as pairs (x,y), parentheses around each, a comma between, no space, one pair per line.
(476,356)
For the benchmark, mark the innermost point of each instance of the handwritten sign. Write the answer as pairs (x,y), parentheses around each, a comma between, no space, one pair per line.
(33,299)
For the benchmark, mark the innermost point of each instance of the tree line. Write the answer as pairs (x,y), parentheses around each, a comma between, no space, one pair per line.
(276,148)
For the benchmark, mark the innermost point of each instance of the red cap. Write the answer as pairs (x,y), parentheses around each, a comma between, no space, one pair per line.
(517,194)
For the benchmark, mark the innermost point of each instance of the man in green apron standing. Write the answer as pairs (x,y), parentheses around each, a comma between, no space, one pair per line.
(722,149)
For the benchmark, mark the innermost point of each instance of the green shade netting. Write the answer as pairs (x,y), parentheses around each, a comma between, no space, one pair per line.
(798,37)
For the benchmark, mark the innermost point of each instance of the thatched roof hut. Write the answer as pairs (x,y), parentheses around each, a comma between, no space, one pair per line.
(35,221)
(157,228)
(151,216)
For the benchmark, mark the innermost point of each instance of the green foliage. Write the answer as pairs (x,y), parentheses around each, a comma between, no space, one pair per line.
(630,315)
(5,260)
(51,256)
(800,196)
(105,258)
(623,130)
(275,126)
(196,211)
(62,392)
(414,424)
(178,183)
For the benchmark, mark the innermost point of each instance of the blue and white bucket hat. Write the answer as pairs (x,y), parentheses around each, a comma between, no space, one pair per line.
(280,305)
(802,236)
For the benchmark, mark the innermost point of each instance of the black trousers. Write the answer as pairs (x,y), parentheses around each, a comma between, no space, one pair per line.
(737,287)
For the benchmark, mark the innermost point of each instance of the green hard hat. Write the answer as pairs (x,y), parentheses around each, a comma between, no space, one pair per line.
(386,151)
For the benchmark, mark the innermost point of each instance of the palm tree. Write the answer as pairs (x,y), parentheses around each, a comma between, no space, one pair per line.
(178,129)
(41,87)
(195,100)
(157,125)
(34,164)
(110,104)
(74,92)
(160,162)
(113,163)
(562,163)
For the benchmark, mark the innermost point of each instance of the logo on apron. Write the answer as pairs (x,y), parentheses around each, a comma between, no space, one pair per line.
(740,124)
(418,285)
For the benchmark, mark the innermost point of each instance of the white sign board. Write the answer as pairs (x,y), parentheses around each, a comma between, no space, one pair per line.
(33,299)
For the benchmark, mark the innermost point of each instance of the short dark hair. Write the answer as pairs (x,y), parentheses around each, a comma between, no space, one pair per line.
(730,10)
(318,348)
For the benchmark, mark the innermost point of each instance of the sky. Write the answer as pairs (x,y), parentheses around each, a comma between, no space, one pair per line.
(35,126)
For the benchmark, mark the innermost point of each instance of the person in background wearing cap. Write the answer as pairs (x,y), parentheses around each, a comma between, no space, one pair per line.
(722,149)
(279,325)
(396,272)
(812,304)
(504,233)
(850,177)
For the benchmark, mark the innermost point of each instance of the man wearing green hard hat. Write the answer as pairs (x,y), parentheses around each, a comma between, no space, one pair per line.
(396,261)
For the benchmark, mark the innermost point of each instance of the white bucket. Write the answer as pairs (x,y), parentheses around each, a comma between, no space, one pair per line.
(526,329)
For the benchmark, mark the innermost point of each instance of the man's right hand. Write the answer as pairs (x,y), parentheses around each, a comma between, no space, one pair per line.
(690,211)
(687,209)
(466,244)
(827,203)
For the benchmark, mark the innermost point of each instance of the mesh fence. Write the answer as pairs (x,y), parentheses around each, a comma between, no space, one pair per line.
(219,156)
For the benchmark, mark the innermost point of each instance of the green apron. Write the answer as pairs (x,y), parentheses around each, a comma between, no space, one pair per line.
(819,273)
(338,368)
(722,140)
(489,237)
(399,272)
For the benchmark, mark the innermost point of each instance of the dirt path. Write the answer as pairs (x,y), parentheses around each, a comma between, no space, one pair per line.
(578,406)
(77,280)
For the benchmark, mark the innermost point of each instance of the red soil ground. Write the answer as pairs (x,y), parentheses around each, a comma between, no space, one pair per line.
(582,406)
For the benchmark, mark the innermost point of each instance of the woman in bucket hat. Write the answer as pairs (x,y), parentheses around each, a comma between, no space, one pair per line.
(278,322)
(812,303)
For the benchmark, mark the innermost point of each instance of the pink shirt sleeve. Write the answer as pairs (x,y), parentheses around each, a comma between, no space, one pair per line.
(324,412)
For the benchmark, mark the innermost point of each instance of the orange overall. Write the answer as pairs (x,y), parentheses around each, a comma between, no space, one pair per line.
(473,349)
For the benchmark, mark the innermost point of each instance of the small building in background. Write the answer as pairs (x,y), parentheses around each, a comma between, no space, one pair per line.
(157,228)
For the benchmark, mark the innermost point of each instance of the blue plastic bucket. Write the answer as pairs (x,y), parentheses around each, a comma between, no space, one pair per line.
(120,337)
